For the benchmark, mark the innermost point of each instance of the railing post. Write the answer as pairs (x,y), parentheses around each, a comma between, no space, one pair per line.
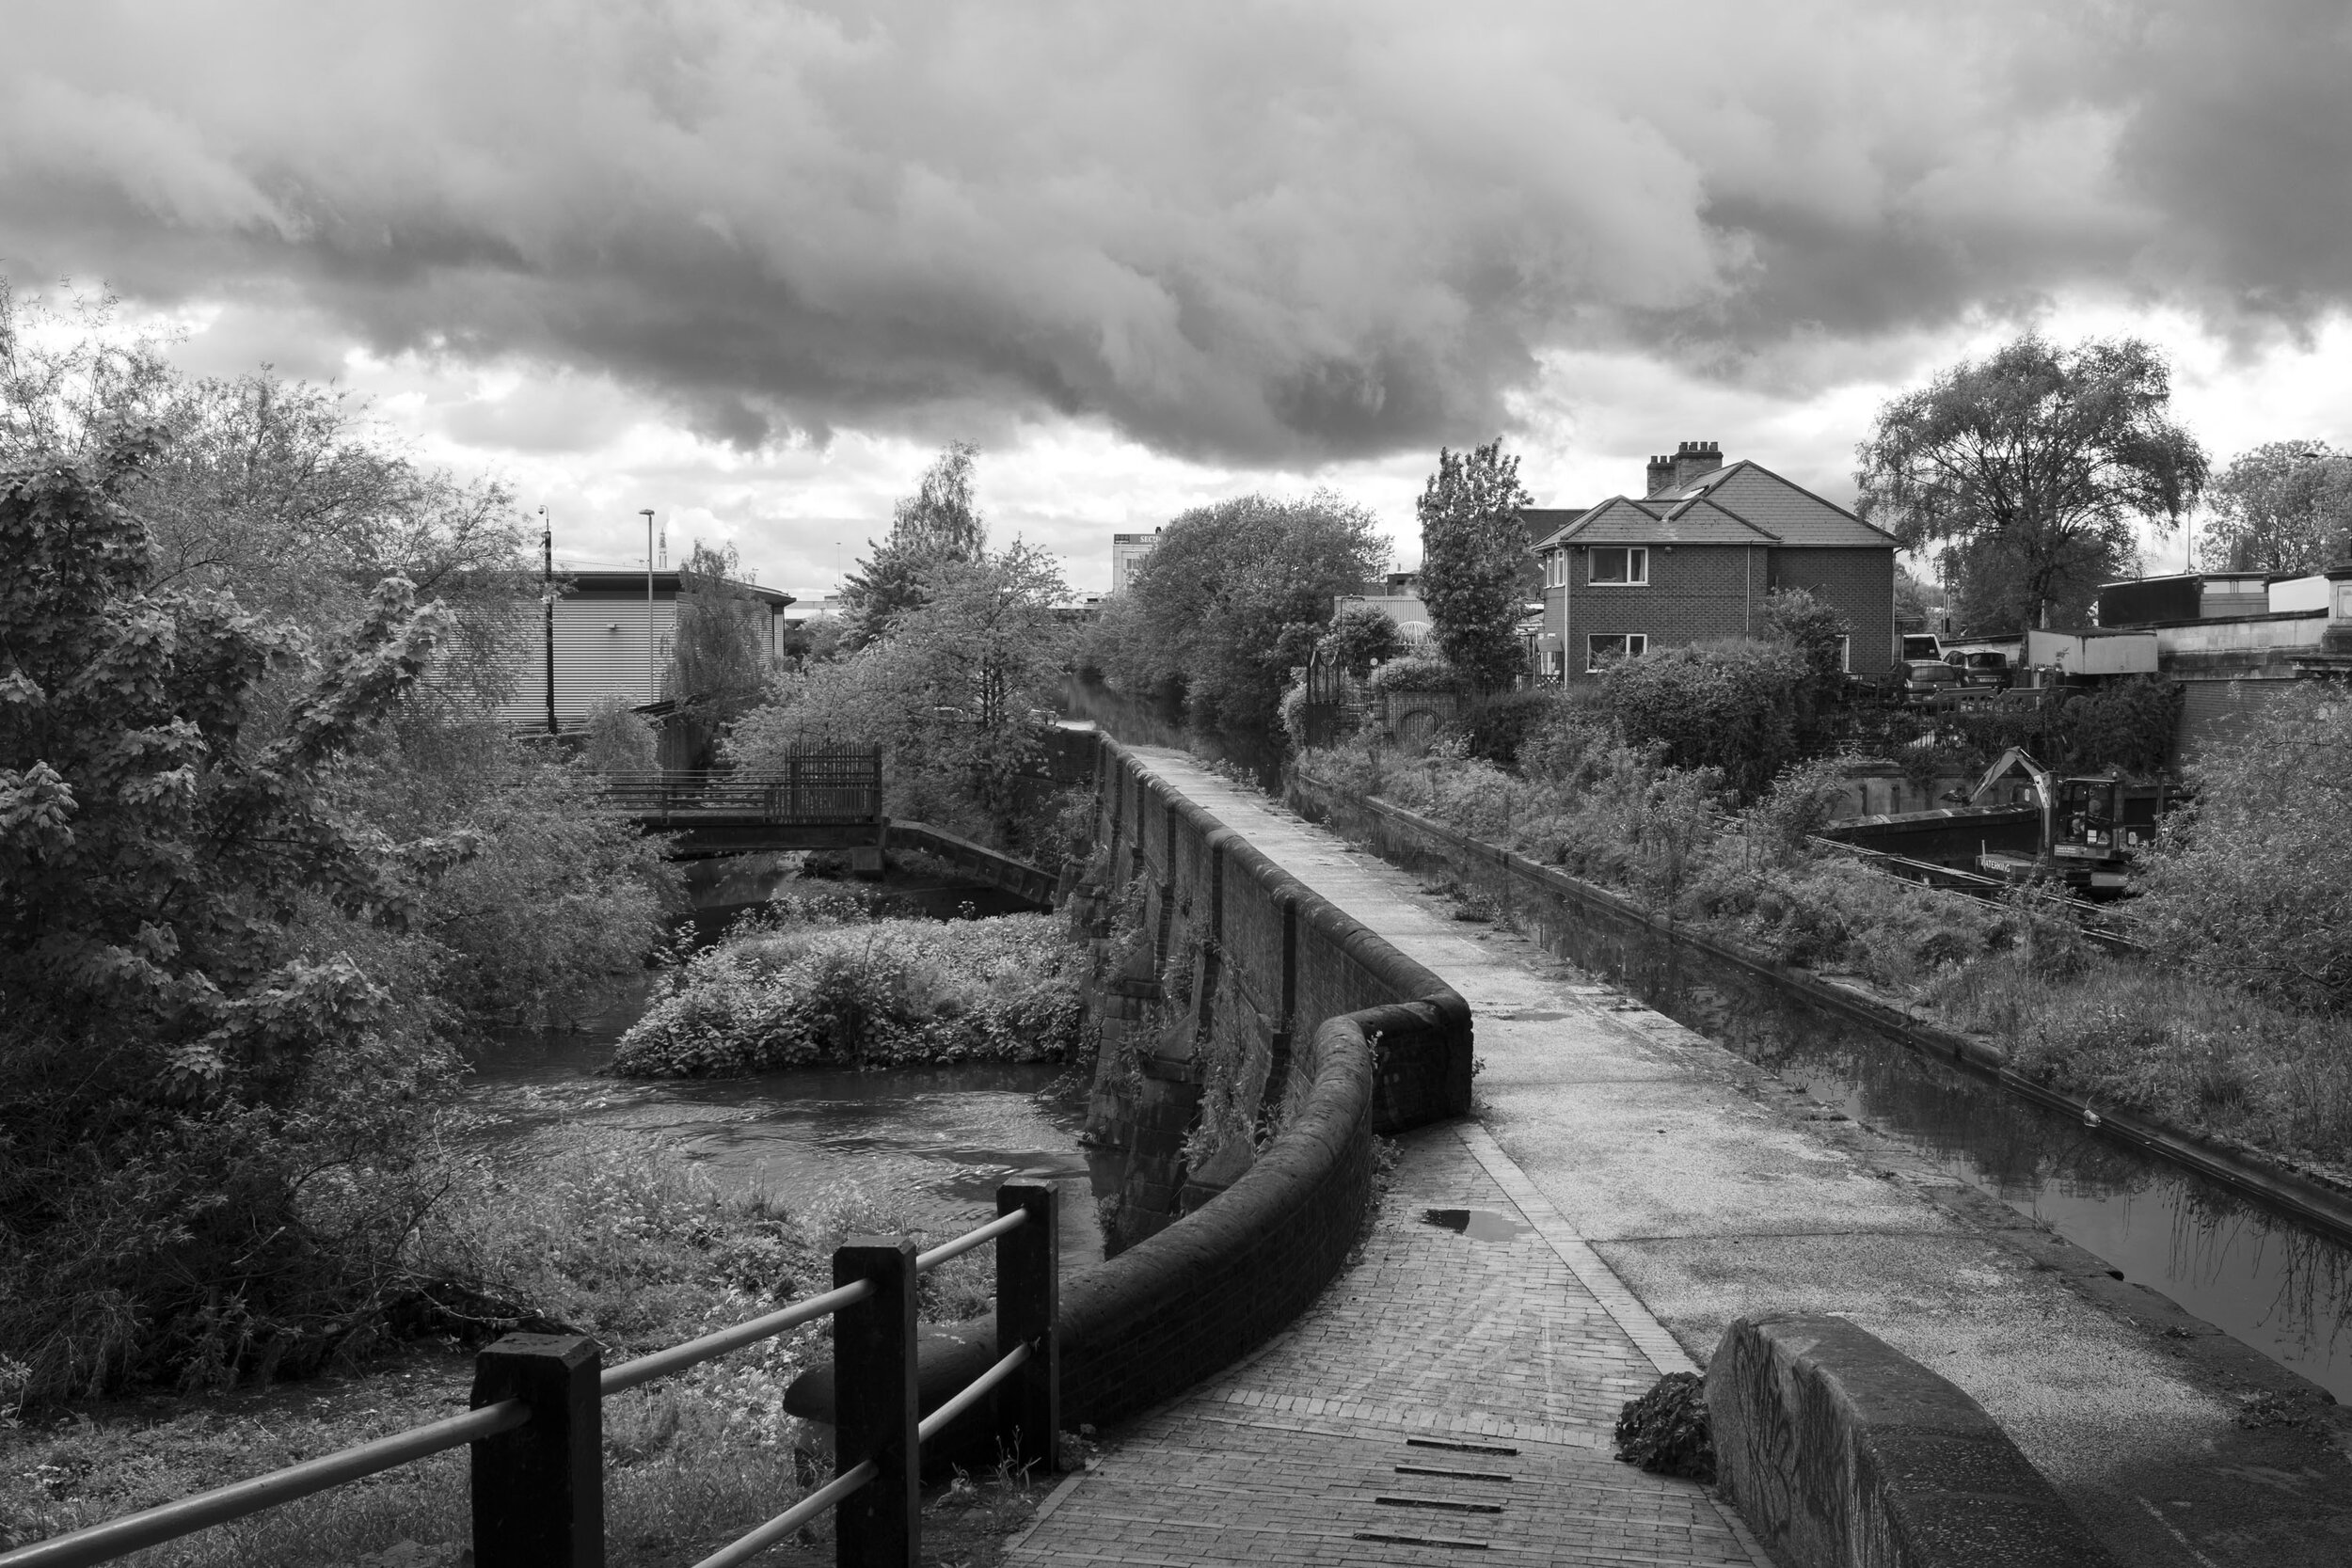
(793,798)
(1028,1302)
(878,1525)
(538,1491)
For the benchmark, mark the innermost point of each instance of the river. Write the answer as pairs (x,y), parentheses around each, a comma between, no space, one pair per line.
(941,1139)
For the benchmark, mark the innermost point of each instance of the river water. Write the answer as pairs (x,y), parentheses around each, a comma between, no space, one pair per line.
(2259,1276)
(938,1140)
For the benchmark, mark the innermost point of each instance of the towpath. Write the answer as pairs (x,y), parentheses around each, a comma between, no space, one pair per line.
(1628,1187)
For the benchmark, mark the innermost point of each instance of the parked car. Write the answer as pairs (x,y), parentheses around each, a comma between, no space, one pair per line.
(1919,681)
(1987,668)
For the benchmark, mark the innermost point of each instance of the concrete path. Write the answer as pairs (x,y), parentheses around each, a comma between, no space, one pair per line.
(1666,1181)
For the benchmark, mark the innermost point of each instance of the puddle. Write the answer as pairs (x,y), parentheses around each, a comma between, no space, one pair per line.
(1479,1224)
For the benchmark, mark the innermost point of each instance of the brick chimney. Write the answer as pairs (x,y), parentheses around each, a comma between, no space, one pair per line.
(1661,476)
(1691,460)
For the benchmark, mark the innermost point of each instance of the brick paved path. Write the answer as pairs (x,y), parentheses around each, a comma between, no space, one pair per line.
(1454,1390)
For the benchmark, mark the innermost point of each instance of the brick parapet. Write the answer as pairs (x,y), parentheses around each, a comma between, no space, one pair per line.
(1369,1041)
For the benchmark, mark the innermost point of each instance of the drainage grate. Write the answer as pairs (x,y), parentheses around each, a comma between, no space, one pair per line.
(1394,1538)
(1460,1448)
(1451,1475)
(1447,1503)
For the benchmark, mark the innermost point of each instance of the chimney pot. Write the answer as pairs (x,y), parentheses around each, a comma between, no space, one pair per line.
(1692,461)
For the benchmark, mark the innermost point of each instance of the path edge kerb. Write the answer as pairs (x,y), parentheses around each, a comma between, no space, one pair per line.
(1138,1329)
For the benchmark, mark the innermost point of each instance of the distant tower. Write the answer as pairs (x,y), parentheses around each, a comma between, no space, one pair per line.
(1126,550)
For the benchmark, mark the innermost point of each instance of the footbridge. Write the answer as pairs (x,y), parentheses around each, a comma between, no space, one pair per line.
(814,801)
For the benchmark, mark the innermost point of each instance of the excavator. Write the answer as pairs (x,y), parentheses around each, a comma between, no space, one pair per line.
(2094,826)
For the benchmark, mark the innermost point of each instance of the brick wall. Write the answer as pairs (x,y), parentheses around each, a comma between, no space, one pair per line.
(1354,1037)
(1859,584)
(1696,592)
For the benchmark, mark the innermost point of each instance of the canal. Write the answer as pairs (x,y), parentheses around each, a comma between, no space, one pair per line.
(2259,1276)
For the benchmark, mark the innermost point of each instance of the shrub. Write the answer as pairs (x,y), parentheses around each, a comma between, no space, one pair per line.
(875,994)
(1666,1433)
(1728,705)
(1362,636)
(1495,728)
(1417,673)
(619,740)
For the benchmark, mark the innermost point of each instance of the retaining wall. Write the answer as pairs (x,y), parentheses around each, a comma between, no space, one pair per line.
(1339,1035)
(1841,1453)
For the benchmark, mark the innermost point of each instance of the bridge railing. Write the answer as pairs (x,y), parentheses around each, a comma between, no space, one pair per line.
(536,1431)
(827,786)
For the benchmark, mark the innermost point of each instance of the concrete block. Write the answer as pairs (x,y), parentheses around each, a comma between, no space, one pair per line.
(1840,1452)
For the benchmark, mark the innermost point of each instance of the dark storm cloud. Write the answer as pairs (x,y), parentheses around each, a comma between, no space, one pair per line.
(1260,233)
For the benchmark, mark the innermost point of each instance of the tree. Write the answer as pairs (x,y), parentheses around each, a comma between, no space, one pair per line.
(2286,506)
(717,660)
(201,1017)
(1474,548)
(2252,885)
(939,523)
(949,696)
(2039,459)
(1919,605)
(1362,636)
(1215,601)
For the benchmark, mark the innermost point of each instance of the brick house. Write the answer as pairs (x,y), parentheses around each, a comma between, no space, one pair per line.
(1693,559)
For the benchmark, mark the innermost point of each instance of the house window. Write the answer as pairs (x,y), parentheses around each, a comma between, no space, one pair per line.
(1555,569)
(1620,566)
(1845,653)
(1602,650)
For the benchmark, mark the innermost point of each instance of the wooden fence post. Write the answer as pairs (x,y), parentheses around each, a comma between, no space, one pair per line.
(878,1525)
(1028,1302)
(538,1491)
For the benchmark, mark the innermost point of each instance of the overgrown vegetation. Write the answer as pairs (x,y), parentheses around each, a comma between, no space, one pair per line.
(2238,1027)
(866,994)
(262,862)
(598,1233)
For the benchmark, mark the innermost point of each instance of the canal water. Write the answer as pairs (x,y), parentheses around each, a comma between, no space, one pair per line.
(2258,1276)
(937,1140)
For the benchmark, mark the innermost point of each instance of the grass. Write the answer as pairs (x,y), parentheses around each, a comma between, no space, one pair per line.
(606,1235)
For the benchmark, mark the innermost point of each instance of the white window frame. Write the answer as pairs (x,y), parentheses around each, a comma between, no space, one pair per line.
(1636,566)
(1636,643)
(1845,652)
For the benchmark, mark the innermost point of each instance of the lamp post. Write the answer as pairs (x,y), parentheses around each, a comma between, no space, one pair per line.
(653,689)
(546,599)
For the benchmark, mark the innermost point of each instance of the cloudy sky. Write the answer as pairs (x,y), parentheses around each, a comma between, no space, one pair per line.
(750,262)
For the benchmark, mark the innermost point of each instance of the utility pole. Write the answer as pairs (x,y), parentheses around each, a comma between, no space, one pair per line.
(547,597)
(653,687)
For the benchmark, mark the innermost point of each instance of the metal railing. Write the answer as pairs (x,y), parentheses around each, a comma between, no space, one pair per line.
(820,787)
(536,1431)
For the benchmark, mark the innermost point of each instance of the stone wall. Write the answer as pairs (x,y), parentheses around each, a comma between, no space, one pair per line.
(1338,1035)
(1840,1452)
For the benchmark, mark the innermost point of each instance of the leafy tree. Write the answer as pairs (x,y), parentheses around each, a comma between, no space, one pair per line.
(2253,884)
(1818,633)
(1224,605)
(1919,605)
(195,1045)
(950,696)
(2286,506)
(1362,636)
(2038,458)
(718,661)
(938,524)
(1473,557)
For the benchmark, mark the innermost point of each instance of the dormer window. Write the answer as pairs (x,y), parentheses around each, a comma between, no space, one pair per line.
(1620,566)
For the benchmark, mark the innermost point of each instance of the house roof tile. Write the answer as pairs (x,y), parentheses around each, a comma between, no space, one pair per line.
(1795,515)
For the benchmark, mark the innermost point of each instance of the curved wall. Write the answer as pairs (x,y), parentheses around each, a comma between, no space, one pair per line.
(1353,1036)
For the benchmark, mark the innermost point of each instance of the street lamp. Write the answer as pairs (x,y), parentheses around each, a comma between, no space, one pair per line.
(653,690)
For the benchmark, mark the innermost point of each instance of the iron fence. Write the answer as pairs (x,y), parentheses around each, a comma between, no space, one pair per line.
(813,786)
(536,1431)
